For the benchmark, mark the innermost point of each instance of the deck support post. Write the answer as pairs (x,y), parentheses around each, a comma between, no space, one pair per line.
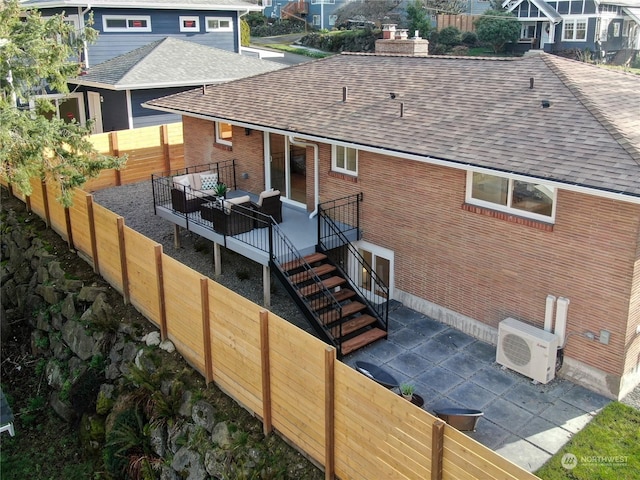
(217,263)
(176,236)
(266,285)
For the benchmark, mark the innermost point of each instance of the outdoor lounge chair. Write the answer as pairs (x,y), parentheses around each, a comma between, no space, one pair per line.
(233,218)
(269,203)
(6,416)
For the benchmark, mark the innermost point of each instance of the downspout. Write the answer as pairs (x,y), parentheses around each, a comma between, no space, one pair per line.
(316,176)
(240,15)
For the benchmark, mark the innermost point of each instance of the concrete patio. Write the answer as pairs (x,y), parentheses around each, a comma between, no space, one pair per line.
(524,422)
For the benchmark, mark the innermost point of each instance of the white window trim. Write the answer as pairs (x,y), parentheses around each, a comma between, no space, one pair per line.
(126,28)
(195,19)
(335,168)
(507,208)
(221,140)
(219,29)
(575,21)
(626,24)
(267,3)
(316,20)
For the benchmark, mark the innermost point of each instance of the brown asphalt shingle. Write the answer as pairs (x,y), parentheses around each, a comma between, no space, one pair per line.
(465,110)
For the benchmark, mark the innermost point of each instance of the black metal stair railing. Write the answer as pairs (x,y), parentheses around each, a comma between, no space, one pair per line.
(284,255)
(335,220)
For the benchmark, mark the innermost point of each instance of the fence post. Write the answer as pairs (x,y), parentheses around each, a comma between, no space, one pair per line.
(67,219)
(329,412)
(115,151)
(92,234)
(206,330)
(123,260)
(45,204)
(164,143)
(267,426)
(437,449)
(160,287)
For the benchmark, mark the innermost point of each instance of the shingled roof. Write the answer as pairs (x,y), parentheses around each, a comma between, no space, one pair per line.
(172,62)
(479,112)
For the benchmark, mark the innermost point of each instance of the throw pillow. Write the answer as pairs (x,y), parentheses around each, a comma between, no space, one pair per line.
(208,182)
(181,181)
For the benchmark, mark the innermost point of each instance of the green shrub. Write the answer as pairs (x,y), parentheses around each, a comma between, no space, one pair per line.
(470,39)
(450,36)
(460,50)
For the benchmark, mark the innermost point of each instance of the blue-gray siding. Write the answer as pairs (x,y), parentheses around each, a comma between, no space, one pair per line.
(144,117)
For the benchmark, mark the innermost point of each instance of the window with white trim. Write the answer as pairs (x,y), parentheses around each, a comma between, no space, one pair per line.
(574,30)
(333,19)
(126,23)
(267,3)
(316,20)
(626,24)
(189,24)
(224,133)
(526,199)
(219,24)
(616,29)
(344,160)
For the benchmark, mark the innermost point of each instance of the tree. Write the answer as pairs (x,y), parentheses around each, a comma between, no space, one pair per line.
(377,11)
(418,19)
(496,28)
(452,7)
(40,54)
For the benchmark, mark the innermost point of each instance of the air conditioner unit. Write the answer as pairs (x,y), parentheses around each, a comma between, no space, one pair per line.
(526,349)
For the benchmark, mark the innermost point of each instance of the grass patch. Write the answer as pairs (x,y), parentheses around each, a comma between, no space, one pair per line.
(608,448)
(299,51)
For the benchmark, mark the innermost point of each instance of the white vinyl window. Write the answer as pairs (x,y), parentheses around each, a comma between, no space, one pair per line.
(332,19)
(527,199)
(189,24)
(219,24)
(126,23)
(344,160)
(616,29)
(224,133)
(316,20)
(574,30)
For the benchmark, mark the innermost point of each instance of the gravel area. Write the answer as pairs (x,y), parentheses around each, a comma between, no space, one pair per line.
(135,204)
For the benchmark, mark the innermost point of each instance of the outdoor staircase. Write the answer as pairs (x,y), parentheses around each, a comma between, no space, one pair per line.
(331,304)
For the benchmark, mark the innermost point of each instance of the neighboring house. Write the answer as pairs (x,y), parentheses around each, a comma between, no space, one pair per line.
(115,89)
(319,13)
(603,27)
(127,25)
(488,184)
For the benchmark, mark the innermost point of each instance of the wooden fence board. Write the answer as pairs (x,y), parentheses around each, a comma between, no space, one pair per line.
(36,199)
(462,22)
(107,245)
(184,310)
(141,266)
(235,344)
(80,223)
(56,210)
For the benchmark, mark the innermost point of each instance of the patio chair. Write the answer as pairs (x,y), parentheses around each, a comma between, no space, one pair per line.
(234,218)
(6,416)
(269,203)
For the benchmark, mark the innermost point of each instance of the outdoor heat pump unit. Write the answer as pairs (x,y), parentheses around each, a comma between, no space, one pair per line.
(526,349)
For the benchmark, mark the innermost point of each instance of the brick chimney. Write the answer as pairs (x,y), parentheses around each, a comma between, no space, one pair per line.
(396,42)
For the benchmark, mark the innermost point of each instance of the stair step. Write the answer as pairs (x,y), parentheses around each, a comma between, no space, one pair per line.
(329,283)
(360,341)
(353,325)
(312,258)
(306,275)
(347,310)
(340,296)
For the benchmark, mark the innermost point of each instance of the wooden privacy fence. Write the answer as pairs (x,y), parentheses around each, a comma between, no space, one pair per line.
(149,149)
(462,22)
(341,419)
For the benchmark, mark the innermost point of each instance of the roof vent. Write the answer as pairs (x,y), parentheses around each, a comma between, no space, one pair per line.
(531,83)
(545,103)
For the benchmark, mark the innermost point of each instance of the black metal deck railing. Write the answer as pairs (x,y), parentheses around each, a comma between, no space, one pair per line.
(335,219)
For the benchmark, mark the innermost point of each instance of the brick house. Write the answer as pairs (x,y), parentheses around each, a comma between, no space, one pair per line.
(489,185)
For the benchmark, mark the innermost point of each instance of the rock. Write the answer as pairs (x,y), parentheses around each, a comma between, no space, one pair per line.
(167,346)
(39,343)
(8,293)
(42,274)
(60,349)
(185,404)
(189,465)
(129,352)
(43,321)
(112,372)
(63,409)
(54,374)
(152,339)
(215,461)
(55,270)
(70,286)
(105,399)
(68,307)
(89,294)
(57,320)
(177,433)
(49,294)
(220,435)
(80,342)
(168,473)
(204,415)
(144,362)
(158,439)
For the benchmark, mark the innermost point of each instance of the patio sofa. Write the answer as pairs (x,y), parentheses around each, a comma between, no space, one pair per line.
(189,191)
